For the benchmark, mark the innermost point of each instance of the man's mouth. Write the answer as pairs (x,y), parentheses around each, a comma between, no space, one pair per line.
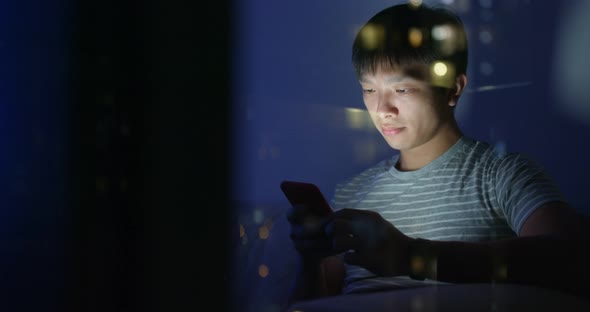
(387,130)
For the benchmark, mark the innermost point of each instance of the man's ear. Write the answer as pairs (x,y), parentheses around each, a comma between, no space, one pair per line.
(459,87)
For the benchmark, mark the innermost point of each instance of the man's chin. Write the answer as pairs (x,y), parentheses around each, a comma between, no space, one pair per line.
(396,145)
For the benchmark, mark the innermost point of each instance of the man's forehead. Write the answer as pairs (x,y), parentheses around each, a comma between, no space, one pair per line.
(416,72)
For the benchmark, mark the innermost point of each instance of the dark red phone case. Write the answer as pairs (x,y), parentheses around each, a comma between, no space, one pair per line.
(304,193)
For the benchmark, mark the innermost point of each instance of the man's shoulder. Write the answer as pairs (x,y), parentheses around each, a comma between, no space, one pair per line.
(494,156)
(485,151)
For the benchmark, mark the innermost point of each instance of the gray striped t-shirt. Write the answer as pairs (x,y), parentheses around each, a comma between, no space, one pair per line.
(472,192)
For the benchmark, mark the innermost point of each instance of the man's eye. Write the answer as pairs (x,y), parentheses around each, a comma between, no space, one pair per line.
(368,90)
(405,90)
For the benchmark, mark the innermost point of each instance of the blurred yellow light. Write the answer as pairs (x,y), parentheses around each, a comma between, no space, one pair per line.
(357,118)
(263,232)
(415,37)
(416,3)
(440,68)
(263,270)
(242,231)
(417,264)
(442,74)
(372,36)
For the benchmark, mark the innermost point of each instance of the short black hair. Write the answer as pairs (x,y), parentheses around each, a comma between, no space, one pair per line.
(405,34)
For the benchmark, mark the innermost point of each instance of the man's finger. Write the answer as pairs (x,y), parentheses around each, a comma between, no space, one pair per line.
(339,227)
(346,241)
(353,258)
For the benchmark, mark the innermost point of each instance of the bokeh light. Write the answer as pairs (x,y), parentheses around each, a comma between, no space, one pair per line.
(263,232)
(258,216)
(358,119)
(417,264)
(415,3)
(440,69)
(448,40)
(487,4)
(372,36)
(442,74)
(441,32)
(485,36)
(486,68)
(415,37)
(263,270)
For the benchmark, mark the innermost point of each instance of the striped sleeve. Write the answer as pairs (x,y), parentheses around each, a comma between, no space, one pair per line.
(522,186)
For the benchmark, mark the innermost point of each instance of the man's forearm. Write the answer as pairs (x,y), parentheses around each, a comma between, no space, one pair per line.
(318,279)
(305,285)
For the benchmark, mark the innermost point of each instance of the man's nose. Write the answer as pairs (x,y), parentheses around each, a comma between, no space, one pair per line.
(387,105)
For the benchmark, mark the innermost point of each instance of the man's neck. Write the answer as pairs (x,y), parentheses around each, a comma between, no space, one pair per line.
(421,156)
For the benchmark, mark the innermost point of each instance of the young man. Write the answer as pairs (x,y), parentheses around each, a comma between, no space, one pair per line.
(447,208)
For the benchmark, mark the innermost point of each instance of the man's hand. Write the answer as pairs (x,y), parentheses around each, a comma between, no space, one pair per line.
(370,242)
(308,233)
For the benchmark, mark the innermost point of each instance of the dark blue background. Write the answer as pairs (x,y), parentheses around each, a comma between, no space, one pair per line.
(34,116)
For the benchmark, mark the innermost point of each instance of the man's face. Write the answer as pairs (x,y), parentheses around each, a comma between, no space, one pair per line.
(406,109)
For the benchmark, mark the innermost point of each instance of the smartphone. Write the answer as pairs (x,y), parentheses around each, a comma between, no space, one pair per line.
(307,194)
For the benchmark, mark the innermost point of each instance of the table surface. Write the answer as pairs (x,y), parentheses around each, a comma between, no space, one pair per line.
(453,297)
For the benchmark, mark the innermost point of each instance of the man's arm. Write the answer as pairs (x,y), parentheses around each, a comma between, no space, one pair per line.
(549,252)
(318,271)
(555,218)
(317,279)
